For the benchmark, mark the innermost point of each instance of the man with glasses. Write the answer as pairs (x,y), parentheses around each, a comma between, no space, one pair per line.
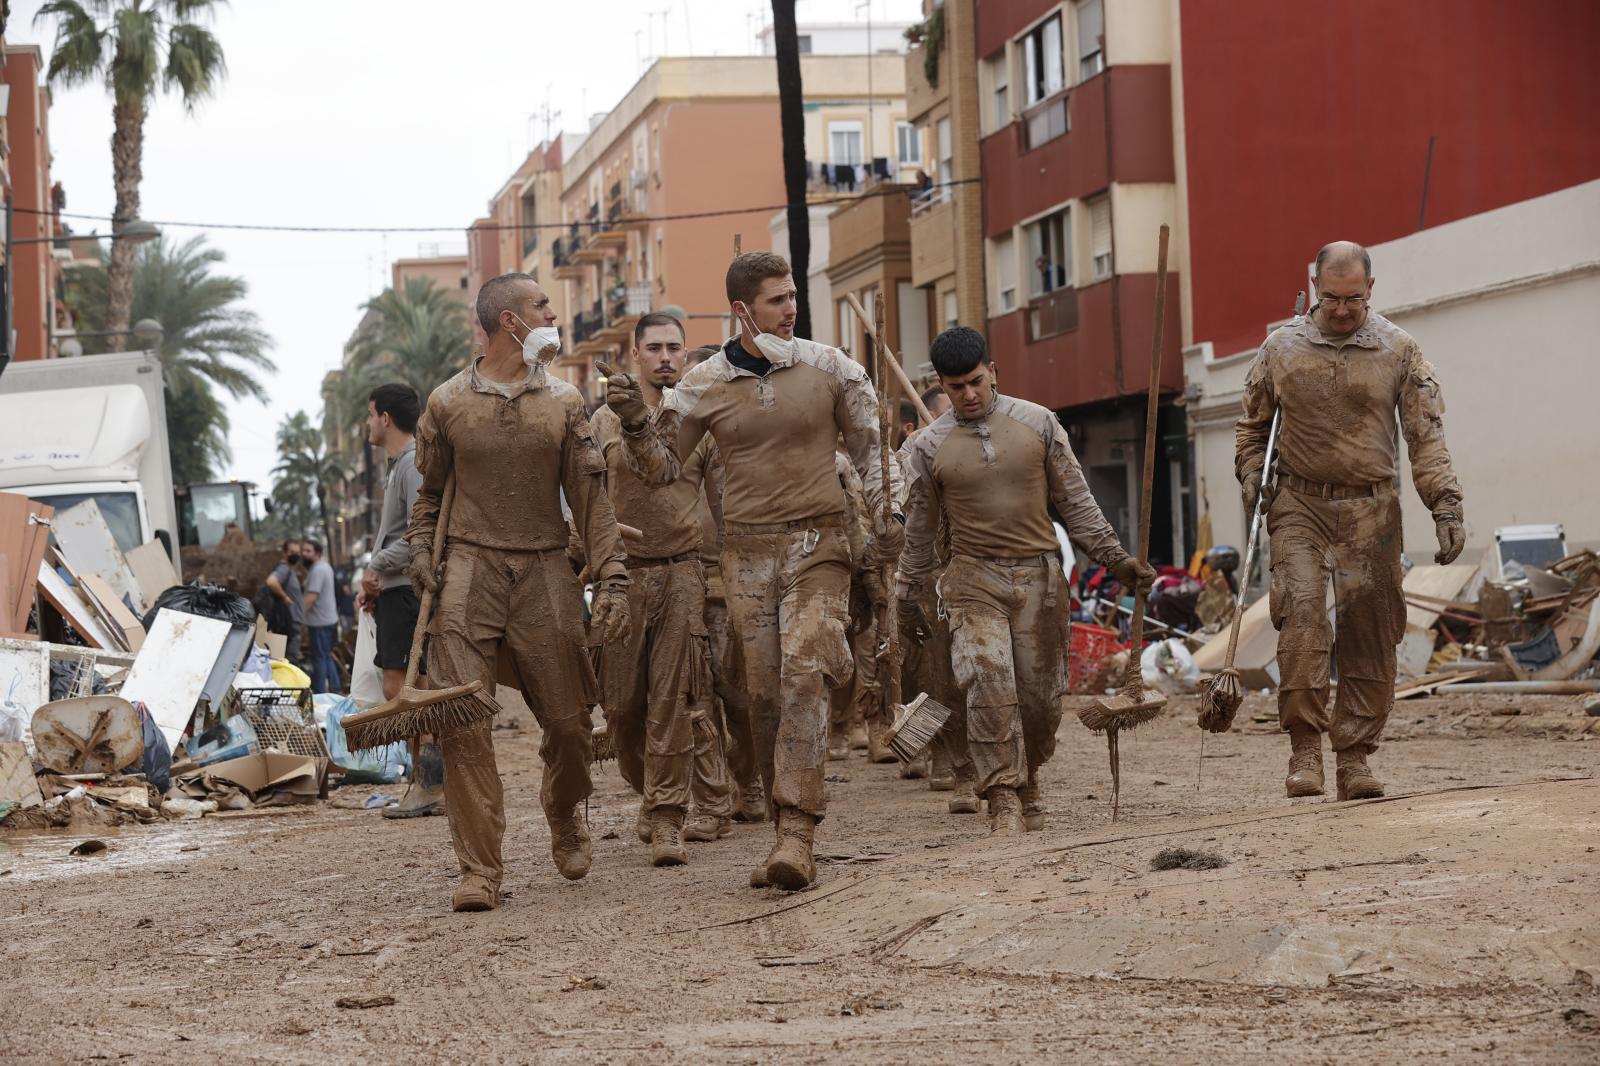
(1345,379)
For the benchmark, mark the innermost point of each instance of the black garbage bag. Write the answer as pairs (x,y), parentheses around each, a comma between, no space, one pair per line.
(157,760)
(64,678)
(207,601)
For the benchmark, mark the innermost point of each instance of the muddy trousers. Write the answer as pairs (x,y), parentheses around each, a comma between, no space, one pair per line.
(926,667)
(1355,545)
(861,699)
(527,605)
(657,679)
(787,587)
(730,721)
(1008,643)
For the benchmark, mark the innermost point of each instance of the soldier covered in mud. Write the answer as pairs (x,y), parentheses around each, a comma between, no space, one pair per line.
(990,468)
(775,405)
(1339,376)
(512,439)
(656,683)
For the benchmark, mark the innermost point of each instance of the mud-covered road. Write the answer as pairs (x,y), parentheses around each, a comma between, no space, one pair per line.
(1454,921)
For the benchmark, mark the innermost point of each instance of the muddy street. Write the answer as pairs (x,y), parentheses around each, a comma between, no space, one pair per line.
(1454,920)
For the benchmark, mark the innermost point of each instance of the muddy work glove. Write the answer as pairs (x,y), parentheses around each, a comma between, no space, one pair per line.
(1452,537)
(424,578)
(1249,488)
(1132,574)
(609,614)
(888,543)
(914,624)
(626,400)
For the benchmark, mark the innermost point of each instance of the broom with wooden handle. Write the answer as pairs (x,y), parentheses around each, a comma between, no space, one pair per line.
(416,711)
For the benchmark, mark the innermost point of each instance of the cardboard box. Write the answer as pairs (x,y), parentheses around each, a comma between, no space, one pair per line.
(266,772)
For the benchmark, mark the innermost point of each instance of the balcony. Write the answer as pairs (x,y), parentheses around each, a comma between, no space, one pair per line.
(921,95)
(634,205)
(933,238)
(865,233)
(564,267)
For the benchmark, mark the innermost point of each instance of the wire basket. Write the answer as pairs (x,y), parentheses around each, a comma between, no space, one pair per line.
(1090,647)
(281,718)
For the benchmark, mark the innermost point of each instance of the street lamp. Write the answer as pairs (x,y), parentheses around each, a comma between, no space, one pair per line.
(146,329)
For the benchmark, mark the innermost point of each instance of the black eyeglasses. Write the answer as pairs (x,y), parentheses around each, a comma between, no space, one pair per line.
(1355,303)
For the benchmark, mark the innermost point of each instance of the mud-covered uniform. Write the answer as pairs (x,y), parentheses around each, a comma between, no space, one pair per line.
(1336,513)
(724,765)
(859,699)
(992,479)
(508,588)
(785,557)
(656,684)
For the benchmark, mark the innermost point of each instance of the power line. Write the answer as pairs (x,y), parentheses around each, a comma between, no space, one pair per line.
(689,216)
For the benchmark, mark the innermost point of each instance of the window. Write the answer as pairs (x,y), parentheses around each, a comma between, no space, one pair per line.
(908,144)
(844,142)
(1049,254)
(1091,38)
(951,316)
(847,325)
(999,91)
(947,149)
(1004,252)
(1100,237)
(1044,75)
(1047,122)
(804,41)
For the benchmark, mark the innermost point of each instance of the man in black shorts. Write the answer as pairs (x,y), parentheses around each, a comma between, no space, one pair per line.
(392,412)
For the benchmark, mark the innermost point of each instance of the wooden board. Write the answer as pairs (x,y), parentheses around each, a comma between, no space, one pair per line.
(24,531)
(152,569)
(171,670)
(88,545)
(112,610)
(17,783)
(1442,583)
(65,599)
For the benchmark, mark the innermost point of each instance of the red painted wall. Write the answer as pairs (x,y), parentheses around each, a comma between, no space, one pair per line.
(1307,125)
(29,165)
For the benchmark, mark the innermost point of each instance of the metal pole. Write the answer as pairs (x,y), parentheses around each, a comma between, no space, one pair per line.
(11,283)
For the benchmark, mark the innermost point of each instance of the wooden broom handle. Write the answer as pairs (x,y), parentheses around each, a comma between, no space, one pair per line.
(889,357)
(425,609)
(1147,489)
(891,612)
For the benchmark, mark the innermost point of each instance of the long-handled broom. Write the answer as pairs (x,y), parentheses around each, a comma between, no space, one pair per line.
(422,710)
(1132,705)
(1222,693)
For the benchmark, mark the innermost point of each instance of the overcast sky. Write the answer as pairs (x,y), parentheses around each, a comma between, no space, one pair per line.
(372,113)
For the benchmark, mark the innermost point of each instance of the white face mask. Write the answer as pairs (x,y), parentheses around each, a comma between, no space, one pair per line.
(775,348)
(540,345)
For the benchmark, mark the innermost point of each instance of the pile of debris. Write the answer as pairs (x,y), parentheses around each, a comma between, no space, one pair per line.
(108,718)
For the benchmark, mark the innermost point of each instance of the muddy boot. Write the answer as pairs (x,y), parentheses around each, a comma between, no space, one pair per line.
(858,737)
(475,894)
(964,800)
(878,749)
(1305,763)
(1032,807)
(666,837)
(1356,781)
(752,804)
(641,825)
(941,775)
(425,795)
(838,745)
(704,828)
(1005,812)
(758,876)
(790,866)
(569,844)
(916,769)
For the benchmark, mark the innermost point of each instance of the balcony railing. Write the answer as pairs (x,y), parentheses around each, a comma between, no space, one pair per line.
(1053,312)
(1045,121)
(530,242)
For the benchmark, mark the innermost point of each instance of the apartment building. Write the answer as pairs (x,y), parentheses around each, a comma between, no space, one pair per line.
(516,232)
(32,306)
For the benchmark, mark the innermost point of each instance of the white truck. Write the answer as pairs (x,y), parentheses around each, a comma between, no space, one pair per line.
(95,427)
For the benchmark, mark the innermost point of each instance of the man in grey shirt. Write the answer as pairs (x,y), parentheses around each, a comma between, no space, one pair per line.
(284,583)
(392,412)
(322,619)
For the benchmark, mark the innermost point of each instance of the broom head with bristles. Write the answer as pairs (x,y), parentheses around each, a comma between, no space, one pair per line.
(603,743)
(1220,697)
(915,725)
(416,711)
(1123,711)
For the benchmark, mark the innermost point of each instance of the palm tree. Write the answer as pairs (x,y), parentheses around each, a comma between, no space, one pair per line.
(209,339)
(306,467)
(418,335)
(135,47)
(792,121)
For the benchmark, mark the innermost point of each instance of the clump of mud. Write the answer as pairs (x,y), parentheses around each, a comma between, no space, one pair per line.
(1187,859)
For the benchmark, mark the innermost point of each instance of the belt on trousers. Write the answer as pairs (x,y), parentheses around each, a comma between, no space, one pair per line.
(755,529)
(1052,580)
(634,561)
(1332,492)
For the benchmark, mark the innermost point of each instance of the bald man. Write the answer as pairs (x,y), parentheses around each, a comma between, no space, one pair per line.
(1345,379)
